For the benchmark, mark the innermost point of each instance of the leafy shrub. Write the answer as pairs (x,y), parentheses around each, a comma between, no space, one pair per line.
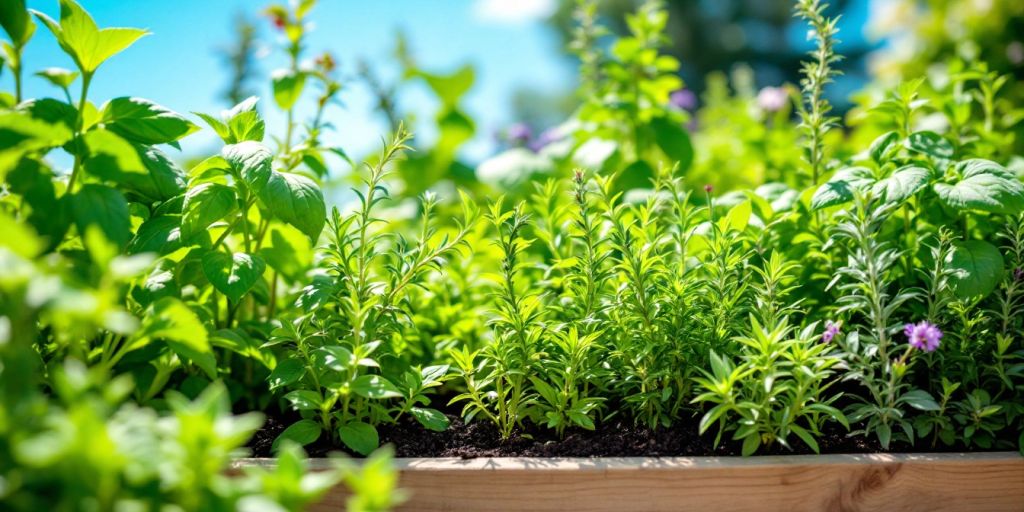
(860,273)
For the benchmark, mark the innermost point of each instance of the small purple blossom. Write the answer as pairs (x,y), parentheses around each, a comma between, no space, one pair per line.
(519,133)
(923,335)
(546,137)
(772,99)
(831,330)
(683,99)
(1018,274)
(708,188)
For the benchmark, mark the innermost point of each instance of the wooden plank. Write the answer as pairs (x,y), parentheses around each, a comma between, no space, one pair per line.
(974,482)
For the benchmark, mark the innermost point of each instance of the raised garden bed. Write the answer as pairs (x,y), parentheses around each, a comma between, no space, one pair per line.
(992,481)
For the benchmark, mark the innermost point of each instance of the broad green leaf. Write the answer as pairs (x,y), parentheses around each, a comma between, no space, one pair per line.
(638,174)
(51,111)
(902,184)
(375,387)
(302,432)
(673,141)
(316,294)
(288,86)
(360,437)
(145,122)
(931,144)
(304,399)
(287,251)
(87,44)
(920,399)
(46,212)
(841,187)
(159,235)
(750,444)
(737,218)
(59,77)
(432,419)
(21,134)
(18,239)
(450,88)
(205,204)
(247,125)
(286,372)
(241,123)
(232,274)
(144,170)
(884,434)
(251,161)
(217,126)
(16,21)
(880,146)
(979,266)
(297,200)
(334,357)
(982,185)
(105,208)
(158,284)
(171,320)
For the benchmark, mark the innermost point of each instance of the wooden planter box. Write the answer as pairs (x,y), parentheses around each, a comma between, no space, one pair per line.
(961,482)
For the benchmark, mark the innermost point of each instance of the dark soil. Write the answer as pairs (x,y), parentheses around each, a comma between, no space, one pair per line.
(614,438)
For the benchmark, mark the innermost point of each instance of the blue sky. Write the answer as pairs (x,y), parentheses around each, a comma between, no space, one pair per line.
(177,66)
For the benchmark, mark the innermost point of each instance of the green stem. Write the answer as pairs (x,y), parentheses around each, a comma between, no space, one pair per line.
(86,80)
(17,79)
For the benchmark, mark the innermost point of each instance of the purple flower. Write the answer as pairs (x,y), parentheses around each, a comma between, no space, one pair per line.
(772,99)
(708,188)
(923,335)
(831,330)
(546,137)
(683,99)
(1018,274)
(519,133)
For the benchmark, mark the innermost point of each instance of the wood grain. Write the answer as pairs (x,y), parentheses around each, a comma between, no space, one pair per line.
(975,482)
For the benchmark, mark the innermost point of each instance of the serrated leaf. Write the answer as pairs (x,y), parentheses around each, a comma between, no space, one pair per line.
(983,185)
(232,274)
(931,144)
(902,184)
